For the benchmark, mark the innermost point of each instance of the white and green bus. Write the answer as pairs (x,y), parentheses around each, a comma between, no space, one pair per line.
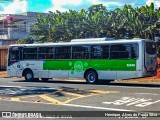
(92,59)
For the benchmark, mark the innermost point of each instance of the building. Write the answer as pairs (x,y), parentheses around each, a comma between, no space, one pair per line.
(17,26)
(12,28)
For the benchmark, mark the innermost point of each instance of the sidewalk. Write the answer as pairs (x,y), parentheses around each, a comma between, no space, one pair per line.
(3,74)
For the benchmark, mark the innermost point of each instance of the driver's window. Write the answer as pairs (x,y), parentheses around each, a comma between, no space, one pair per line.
(14,55)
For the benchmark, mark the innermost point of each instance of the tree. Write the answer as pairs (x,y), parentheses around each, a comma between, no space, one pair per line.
(98,22)
(28,40)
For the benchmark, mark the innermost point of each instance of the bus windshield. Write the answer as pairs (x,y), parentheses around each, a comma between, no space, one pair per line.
(151,48)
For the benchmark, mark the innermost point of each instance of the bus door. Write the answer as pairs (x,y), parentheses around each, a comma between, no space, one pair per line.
(150,58)
(14,61)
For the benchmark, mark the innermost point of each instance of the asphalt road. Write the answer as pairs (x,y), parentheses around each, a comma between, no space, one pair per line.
(64,95)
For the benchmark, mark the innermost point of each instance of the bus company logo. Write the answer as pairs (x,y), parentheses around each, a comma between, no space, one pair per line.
(131,65)
(78,66)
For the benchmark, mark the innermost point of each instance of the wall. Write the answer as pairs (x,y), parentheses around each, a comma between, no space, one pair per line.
(3,58)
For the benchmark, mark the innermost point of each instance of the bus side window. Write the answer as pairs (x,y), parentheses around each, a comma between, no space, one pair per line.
(134,51)
(30,53)
(46,53)
(63,52)
(105,52)
(86,51)
(120,51)
(96,52)
(76,52)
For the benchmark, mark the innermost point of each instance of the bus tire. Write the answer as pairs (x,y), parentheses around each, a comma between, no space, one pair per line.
(29,76)
(91,77)
(45,79)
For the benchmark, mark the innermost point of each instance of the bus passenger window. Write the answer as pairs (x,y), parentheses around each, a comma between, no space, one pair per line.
(63,52)
(105,52)
(85,52)
(76,52)
(46,53)
(29,53)
(134,51)
(121,51)
(96,52)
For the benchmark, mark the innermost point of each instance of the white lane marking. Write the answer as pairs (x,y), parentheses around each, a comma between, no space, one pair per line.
(25,87)
(133,87)
(11,86)
(130,101)
(94,107)
(147,93)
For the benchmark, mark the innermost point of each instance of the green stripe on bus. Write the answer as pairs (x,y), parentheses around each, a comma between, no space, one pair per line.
(80,65)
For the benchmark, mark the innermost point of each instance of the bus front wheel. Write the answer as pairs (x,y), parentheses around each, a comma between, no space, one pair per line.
(29,76)
(91,77)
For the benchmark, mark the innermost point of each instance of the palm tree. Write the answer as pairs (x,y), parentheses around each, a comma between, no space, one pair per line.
(98,22)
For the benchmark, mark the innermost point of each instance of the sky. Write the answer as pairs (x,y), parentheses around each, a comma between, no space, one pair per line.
(20,6)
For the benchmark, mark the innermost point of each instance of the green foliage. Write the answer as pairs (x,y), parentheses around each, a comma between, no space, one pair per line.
(95,22)
(28,40)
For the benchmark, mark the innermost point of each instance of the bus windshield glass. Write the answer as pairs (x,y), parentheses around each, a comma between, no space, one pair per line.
(151,48)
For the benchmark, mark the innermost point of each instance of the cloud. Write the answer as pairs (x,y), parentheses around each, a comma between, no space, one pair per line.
(55,8)
(112,2)
(16,6)
(65,5)
(148,2)
(58,5)
(64,2)
(156,3)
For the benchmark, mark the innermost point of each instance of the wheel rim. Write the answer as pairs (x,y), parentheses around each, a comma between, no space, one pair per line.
(91,77)
(29,75)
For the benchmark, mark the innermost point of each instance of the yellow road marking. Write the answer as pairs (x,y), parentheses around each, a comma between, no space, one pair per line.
(15,99)
(102,92)
(49,98)
(46,97)
(98,91)
(30,102)
(73,94)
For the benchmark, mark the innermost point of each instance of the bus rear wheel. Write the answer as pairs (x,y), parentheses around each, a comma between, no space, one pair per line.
(91,77)
(45,79)
(29,76)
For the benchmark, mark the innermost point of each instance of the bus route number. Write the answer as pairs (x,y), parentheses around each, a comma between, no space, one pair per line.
(131,65)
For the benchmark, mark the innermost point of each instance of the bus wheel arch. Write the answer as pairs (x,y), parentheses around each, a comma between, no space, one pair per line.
(91,76)
(28,74)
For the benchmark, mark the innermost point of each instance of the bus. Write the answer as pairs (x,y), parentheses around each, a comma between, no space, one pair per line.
(92,59)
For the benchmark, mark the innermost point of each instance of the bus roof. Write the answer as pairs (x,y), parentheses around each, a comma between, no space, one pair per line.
(85,43)
(92,39)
